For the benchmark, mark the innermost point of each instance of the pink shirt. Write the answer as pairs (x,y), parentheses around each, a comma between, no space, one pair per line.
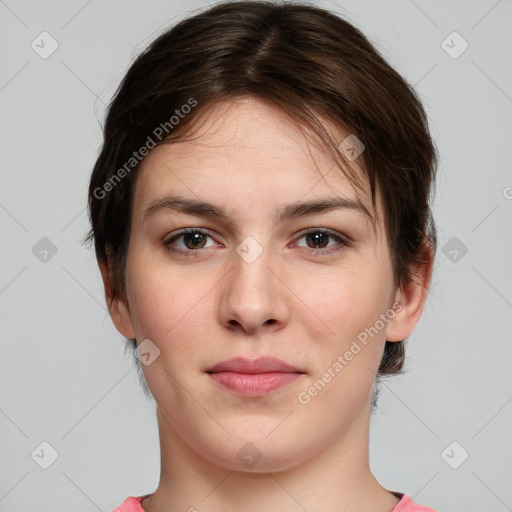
(132,504)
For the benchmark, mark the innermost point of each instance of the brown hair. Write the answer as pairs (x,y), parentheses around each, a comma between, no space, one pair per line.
(309,62)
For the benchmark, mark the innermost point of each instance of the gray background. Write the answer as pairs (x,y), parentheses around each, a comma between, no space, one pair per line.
(65,378)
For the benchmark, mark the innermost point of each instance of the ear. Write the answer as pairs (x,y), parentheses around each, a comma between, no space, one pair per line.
(118,309)
(410,299)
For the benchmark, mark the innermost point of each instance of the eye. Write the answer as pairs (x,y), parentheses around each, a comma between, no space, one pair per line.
(317,239)
(192,239)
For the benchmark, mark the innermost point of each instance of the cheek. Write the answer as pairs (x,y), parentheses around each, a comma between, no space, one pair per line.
(346,302)
(170,307)
(349,349)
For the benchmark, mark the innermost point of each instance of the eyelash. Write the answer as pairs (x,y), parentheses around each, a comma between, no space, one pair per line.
(197,252)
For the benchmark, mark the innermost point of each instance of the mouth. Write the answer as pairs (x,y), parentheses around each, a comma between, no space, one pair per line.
(253,378)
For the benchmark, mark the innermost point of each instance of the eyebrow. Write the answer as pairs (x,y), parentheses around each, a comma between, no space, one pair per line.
(286,212)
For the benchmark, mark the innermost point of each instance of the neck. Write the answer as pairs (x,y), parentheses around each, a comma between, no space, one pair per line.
(338,478)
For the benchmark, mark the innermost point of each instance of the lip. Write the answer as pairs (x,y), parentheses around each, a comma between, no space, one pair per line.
(253,378)
(263,364)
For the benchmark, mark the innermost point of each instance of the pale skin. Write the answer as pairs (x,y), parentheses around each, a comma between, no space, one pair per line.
(202,308)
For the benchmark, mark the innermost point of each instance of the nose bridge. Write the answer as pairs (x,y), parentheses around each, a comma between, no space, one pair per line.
(253,295)
(252,268)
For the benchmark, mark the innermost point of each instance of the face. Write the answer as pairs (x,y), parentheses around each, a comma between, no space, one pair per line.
(304,289)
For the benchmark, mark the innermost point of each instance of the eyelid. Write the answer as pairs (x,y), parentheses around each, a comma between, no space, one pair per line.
(342,240)
(328,231)
(184,231)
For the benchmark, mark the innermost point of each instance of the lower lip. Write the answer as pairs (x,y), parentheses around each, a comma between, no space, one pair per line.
(254,384)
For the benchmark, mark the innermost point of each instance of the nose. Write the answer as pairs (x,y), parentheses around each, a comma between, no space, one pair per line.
(254,297)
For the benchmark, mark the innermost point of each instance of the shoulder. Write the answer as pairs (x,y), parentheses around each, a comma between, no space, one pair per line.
(406,504)
(130,504)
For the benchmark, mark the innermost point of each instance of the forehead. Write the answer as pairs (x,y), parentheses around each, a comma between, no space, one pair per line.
(250,152)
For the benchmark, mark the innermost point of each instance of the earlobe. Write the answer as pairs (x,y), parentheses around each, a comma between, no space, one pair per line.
(411,298)
(118,309)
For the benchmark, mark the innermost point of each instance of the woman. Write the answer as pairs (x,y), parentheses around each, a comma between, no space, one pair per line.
(261,219)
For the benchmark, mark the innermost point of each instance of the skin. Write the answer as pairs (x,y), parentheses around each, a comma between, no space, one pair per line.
(249,158)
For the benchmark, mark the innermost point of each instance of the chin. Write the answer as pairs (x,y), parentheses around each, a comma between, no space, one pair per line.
(260,454)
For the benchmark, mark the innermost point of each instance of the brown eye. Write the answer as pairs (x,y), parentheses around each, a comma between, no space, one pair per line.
(318,241)
(187,241)
(196,240)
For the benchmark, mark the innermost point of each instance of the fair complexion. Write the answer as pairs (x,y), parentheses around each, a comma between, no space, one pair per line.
(303,300)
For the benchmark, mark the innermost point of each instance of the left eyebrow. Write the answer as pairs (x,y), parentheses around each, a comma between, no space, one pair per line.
(286,212)
(302,209)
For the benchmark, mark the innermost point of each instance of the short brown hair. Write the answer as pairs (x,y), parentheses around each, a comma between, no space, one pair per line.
(309,62)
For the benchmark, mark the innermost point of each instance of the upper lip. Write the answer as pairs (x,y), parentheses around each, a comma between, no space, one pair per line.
(261,365)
